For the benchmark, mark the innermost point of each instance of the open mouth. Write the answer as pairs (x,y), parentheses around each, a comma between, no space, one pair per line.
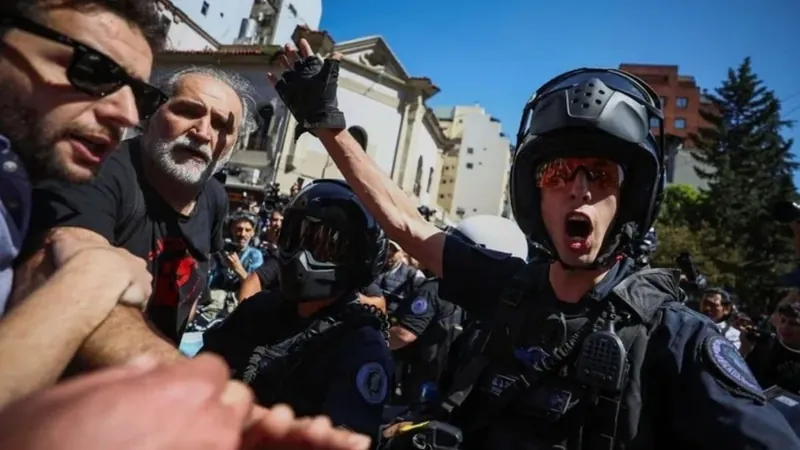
(98,146)
(578,227)
(194,153)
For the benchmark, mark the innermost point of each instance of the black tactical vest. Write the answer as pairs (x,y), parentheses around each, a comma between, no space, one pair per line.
(274,366)
(511,406)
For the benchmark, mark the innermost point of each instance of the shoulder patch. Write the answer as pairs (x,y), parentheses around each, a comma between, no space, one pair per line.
(372,383)
(730,366)
(419,306)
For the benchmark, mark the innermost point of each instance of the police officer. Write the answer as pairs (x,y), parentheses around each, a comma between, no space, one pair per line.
(310,343)
(398,280)
(584,351)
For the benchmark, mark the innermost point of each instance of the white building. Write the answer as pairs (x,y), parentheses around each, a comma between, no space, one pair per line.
(386,111)
(384,106)
(183,33)
(272,22)
(220,19)
(474,177)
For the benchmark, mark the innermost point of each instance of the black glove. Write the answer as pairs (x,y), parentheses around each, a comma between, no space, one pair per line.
(309,91)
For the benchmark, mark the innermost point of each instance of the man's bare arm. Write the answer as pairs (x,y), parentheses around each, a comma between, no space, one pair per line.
(391,206)
(40,336)
(124,334)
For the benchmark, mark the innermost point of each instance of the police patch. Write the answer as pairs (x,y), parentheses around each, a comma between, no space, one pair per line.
(372,383)
(730,364)
(419,306)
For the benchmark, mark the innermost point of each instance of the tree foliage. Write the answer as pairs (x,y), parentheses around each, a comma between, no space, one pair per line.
(728,226)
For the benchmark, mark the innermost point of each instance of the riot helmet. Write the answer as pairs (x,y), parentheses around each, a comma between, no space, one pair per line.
(494,233)
(596,122)
(329,244)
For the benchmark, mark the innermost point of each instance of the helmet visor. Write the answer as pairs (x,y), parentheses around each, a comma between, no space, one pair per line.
(325,243)
(588,94)
(616,80)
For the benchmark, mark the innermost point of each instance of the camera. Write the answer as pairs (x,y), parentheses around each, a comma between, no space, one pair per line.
(229,247)
(786,212)
(273,199)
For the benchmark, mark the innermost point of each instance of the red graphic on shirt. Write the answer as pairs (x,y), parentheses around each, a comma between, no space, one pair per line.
(176,277)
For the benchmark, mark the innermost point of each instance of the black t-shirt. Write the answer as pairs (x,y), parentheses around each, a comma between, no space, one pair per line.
(773,364)
(121,206)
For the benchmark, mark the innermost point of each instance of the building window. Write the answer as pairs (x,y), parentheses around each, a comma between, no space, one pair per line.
(418,178)
(259,138)
(663,102)
(680,123)
(204,9)
(292,10)
(469,165)
(654,122)
(682,102)
(430,179)
(470,150)
(360,136)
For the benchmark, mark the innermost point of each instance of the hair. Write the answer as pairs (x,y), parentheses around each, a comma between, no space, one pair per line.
(726,297)
(244,90)
(141,14)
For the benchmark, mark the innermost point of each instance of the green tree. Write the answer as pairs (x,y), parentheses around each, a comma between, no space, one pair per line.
(751,169)
(676,239)
(683,206)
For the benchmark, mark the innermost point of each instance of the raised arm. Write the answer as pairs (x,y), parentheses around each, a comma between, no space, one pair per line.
(381,196)
(392,208)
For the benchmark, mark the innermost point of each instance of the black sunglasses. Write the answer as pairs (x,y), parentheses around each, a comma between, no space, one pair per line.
(93,72)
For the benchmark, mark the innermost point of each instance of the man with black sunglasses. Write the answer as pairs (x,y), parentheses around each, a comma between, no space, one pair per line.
(70,74)
(157,199)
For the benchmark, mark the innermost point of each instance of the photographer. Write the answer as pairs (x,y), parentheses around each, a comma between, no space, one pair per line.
(233,264)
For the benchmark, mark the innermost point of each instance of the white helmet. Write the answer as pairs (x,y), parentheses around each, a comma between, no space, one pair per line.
(494,233)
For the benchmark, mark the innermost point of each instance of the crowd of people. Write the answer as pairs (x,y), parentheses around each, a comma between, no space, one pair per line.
(140,311)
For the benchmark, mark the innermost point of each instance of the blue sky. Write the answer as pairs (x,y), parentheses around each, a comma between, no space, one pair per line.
(497,53)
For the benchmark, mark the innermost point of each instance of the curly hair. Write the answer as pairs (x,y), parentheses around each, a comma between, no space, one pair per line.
(142,14)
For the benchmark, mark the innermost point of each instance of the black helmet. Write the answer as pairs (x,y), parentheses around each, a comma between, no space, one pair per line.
(329,244)
(596,113)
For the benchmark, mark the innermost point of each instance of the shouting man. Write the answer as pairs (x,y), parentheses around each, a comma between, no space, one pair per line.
(156,198)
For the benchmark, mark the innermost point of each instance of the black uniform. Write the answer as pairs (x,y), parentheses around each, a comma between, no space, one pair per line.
(627,366)
(687,387)
(434,321)
(336,362)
